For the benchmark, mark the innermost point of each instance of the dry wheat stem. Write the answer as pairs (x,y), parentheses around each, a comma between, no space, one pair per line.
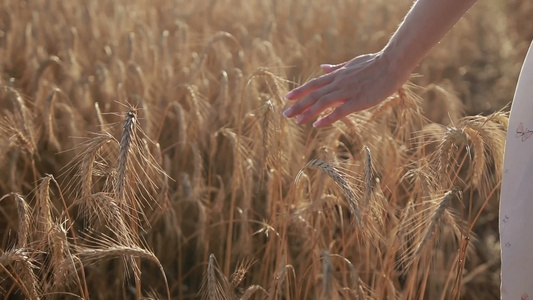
(327,276)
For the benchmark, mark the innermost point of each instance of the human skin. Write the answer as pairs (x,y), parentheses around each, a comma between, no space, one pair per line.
(366,80)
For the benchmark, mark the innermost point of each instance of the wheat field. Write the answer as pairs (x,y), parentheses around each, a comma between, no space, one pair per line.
(143,153)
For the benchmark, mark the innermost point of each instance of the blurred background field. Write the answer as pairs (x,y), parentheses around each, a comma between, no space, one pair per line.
(143,153)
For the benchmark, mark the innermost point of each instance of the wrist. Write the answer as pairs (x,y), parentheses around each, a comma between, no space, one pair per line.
(398,63)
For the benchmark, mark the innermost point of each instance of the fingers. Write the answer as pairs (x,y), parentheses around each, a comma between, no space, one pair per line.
(308,87)
(327,68)
(356,85)
(339,113)
(350,105)
(304,104)
(319,106)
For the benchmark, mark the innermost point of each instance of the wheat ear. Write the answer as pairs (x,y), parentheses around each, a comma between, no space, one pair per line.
(215,286)
(437,218)
(369,175)
(128,137)
(337,177)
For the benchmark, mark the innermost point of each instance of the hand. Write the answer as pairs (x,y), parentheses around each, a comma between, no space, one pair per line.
(351,86)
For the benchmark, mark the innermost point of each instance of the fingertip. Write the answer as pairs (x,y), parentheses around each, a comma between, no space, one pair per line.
(287,113)
(326,67)
(337,114)
(333,117)
(288,95)
(320,123)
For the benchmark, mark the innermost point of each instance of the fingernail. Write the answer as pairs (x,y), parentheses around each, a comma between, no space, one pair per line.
(325,66)
(318,123)
(299,119)
(287,112)
(289,95)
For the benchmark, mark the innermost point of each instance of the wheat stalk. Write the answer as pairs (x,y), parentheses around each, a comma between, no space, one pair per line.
(327,276)
(275,285)
(251,290)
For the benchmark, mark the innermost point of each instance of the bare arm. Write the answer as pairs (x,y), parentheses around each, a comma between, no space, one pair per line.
(368,79)
(424,26)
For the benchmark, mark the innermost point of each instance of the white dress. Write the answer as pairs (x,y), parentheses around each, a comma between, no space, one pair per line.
(516,201)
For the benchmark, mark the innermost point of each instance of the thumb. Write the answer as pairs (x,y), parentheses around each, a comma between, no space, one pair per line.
(327,68)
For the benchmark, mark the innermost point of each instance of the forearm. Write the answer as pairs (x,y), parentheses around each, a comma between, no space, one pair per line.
(425,25)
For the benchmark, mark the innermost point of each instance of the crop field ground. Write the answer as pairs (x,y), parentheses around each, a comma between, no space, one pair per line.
(143,153)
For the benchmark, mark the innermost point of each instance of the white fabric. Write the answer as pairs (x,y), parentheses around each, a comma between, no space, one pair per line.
(516,202)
